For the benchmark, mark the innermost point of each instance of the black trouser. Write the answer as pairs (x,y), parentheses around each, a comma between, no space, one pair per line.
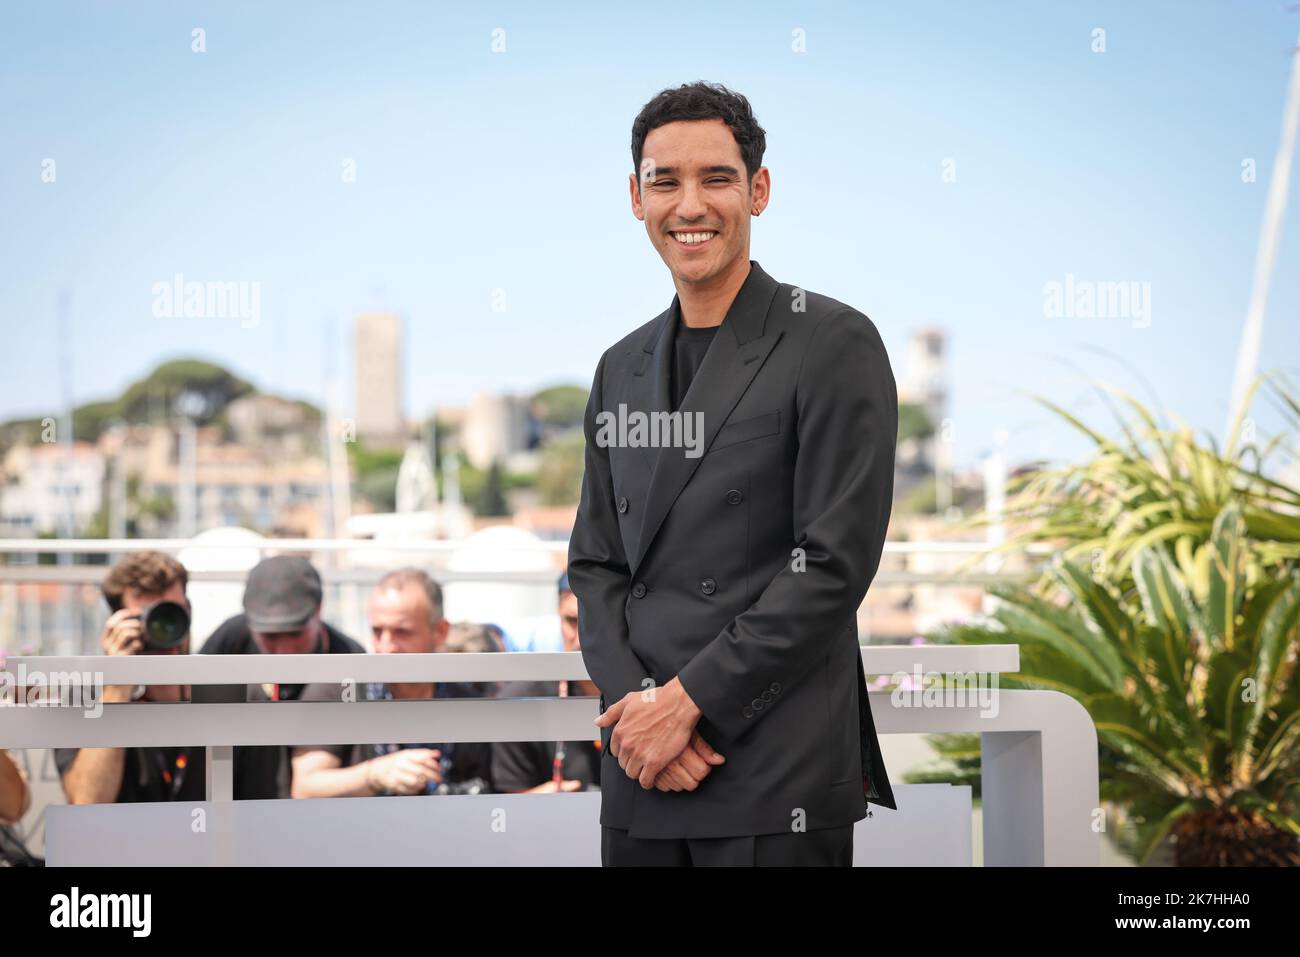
(827,847)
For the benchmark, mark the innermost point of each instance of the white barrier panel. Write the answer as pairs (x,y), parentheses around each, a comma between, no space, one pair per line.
(930,828)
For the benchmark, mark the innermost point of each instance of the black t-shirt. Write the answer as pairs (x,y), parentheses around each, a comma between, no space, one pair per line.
(520,765)
(689,348)
(153,774)
(462,761)
(264,771)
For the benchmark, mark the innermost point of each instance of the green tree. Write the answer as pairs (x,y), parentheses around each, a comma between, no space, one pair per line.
(559,406)
(492,498)
(559,477)
(913,422)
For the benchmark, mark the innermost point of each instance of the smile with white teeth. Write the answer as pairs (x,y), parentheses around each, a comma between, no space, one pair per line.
(694,239)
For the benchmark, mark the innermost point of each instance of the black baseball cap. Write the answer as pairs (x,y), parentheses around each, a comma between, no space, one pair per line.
(282,594)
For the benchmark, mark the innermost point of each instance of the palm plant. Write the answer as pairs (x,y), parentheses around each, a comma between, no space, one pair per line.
(1192,688)
(1172,613)
(1155,486)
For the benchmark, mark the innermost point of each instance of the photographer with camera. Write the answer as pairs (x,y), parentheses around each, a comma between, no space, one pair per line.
(406,617)
(150,616)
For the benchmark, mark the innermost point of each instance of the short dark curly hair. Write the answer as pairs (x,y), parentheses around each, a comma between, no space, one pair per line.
(149,572)
(701,101)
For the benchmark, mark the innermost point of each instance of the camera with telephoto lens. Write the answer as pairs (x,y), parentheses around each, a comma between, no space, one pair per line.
(165,624)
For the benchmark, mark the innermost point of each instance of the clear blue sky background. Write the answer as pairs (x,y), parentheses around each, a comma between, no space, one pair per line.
(225,166)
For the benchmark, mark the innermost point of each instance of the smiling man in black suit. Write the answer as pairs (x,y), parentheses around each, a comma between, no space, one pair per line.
(738,486)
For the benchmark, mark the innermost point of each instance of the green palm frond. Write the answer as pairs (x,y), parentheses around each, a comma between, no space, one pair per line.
(1172,613)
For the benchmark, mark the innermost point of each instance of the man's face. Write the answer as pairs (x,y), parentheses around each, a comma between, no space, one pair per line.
(303,641)
(136,601)
(693,179)
(569,621)
(399,622)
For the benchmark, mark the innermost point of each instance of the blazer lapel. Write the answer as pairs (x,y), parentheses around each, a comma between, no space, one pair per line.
(733,359)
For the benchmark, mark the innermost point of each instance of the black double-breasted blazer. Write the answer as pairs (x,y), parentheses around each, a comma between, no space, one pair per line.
(735,558)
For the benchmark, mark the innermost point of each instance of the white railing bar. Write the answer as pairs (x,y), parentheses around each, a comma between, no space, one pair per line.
(310,669)
(107,545)
(94,574)
(463,666)
(149,725)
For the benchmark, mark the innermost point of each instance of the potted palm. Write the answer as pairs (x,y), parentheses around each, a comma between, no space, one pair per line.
(1171,611)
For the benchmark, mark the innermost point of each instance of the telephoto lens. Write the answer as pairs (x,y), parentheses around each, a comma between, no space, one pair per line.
(165,624)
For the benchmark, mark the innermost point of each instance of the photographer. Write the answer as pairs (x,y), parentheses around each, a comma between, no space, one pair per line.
(547,767)
(405,618)
(150,616)
(282,616)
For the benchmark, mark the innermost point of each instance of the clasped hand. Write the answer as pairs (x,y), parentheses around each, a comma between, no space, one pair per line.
(655,739)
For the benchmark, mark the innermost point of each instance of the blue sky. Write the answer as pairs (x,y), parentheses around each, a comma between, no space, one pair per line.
(225,165)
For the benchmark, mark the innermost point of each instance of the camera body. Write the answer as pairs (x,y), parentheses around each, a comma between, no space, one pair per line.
(469,786)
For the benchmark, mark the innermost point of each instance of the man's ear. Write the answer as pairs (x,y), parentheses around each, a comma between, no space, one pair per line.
(634,190)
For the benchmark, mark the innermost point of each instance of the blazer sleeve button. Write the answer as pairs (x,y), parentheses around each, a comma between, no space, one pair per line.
(746,712)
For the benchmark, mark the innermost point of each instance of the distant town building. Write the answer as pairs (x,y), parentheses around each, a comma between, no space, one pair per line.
(924,384)
(377,354)
(495,428)
(51,487)
(272,422)
(926,381)
(251,486)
